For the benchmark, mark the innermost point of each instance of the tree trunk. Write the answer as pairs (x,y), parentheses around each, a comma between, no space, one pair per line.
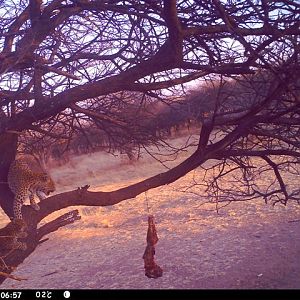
(8,148)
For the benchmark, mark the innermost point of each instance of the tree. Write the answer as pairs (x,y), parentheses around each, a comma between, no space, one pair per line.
(65,63)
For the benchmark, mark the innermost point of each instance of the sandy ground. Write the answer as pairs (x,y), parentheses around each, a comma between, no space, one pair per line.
(247,245)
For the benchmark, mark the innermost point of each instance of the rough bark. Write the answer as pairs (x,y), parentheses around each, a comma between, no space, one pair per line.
(8,148)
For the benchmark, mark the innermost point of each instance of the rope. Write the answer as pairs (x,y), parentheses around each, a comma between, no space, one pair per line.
(147,203)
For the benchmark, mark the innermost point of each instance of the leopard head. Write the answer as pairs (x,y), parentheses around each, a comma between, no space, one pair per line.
(47,184)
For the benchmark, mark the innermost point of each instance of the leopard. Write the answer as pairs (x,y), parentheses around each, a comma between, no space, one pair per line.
(23,181)
(9,236)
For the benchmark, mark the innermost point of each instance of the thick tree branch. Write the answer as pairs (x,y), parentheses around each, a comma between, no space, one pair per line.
(59,222)
(77,197)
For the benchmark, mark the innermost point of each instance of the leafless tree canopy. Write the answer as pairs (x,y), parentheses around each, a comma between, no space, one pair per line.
(68,65)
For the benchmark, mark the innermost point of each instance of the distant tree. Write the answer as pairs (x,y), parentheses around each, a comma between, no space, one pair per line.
(66,63)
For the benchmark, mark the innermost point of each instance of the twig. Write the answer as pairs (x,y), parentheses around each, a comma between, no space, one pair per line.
(43,241)
(51,273)
(3,263)
(12,276)
(59,72)
(291,221)
(61,221)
